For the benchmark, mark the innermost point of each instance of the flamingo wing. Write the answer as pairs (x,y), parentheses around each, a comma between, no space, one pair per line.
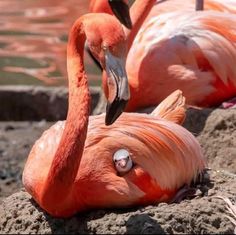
(172,108)
(165,157)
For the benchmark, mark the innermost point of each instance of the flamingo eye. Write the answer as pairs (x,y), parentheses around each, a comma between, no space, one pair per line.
(122,161)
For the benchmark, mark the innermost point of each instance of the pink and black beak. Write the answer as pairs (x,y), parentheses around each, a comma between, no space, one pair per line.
(121,10)
(118,87)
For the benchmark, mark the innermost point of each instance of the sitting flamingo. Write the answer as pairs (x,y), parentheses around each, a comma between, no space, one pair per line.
(141,159)
(172,48)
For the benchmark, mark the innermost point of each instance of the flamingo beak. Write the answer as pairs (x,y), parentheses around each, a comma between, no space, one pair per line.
(121,10)
(118,87)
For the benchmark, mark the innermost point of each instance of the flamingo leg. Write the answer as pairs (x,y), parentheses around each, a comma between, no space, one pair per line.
(199,5)
(191,191)
(229,104)
(185,192)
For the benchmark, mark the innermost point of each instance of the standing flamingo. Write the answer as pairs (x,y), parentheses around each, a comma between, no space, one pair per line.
(174,49)
(81,163)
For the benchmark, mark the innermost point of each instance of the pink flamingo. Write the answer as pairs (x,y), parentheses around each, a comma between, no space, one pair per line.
(80,164)
(181,49)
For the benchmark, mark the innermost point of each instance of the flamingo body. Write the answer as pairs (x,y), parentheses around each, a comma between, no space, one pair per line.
(166,157)
(193,51)
(71,169)
(178,48)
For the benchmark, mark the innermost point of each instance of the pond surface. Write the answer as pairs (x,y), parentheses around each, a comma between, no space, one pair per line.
(33,36)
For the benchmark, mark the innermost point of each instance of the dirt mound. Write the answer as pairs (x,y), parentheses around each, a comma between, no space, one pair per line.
(203,214)
(216,132)
(215,129)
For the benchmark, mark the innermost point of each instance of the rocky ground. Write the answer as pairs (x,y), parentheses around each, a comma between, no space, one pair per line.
(205,213)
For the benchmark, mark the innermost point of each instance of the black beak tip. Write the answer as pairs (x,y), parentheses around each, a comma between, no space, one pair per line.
(127,23)
(108,121)
(121,11)
(114,110)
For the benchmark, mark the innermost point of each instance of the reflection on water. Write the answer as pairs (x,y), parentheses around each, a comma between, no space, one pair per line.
(33,36)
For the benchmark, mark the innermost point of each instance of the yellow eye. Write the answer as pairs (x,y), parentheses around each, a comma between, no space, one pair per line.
(122,161)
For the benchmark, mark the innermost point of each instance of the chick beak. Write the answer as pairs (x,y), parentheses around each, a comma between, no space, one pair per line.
(121,11)
(122,163)
(118,87)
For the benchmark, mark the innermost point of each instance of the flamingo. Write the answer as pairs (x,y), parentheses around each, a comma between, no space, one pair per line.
(81,163)
(119,8)
(171,49)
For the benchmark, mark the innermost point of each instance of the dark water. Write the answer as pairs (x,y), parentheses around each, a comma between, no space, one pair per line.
(33,35)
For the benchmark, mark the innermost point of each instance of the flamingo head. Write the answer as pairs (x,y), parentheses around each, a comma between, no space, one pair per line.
(106,41)
(121,11)
(119,8)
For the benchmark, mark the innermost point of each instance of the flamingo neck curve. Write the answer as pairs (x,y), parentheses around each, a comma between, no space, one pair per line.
(67,158)
(138,13)
(100,6)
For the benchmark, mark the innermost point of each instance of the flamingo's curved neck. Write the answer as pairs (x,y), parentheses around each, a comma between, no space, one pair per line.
(138,13)
(67,158)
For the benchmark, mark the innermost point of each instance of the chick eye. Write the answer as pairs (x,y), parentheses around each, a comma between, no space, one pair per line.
(122,161)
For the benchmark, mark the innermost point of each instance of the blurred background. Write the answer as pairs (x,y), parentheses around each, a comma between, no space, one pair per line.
(33,36)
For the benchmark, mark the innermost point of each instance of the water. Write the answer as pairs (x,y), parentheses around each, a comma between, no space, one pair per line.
(33,36)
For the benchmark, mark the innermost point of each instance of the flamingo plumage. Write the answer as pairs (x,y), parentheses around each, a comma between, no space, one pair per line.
(171,49)
(101,6)
(71,168)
